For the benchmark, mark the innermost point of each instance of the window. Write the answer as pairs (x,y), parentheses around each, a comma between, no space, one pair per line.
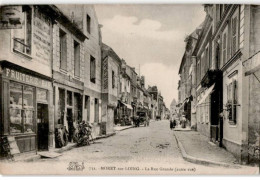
(113,79)
(23,37)
(92,69)
(234,33)
(69,98)
(88,23)
(63,50)
(198,72)
(224,48)
(76,59)
(96,111)
(232,101)
(207,65)
(21,108)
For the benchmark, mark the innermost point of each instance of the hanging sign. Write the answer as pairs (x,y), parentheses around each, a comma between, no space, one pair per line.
(11,17)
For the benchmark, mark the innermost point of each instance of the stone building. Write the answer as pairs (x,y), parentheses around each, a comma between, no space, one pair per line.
(68,74)
(235,40)
(27,116)
(227,85)
(84,17)
(186,87)
(111,65)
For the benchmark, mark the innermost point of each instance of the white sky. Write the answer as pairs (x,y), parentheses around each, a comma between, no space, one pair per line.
(151,36)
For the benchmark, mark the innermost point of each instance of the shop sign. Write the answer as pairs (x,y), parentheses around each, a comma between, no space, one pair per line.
(42,37)
(11,17)
(21,77)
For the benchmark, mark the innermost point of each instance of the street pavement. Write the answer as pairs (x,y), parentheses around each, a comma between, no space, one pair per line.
(143,150)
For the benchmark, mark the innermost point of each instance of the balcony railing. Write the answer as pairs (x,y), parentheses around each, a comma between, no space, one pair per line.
(20,46)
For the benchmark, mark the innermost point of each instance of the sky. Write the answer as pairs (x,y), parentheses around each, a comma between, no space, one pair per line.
(151,37)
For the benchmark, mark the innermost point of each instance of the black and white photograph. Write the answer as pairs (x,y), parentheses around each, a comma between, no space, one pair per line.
(129,88)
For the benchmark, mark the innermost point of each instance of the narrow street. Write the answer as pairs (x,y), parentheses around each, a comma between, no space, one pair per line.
(144,144)
(143,150)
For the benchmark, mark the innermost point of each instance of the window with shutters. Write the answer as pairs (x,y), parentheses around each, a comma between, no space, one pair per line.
(76,59)
(92,69)
(232,101)
(234,33)
(224,47)
(63,50)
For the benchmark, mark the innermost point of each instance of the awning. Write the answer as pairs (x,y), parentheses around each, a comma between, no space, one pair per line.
(127,105)
(207,93)
(186,100)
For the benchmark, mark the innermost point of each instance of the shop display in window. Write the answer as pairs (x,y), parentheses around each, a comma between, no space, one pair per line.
(21,108)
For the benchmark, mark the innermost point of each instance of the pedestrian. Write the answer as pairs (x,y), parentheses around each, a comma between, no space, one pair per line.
(171,124)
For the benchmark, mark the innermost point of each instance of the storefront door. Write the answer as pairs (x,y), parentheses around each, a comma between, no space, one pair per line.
(43,126)
(70,123)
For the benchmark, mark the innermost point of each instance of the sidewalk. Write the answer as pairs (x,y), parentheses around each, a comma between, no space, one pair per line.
(196,148)
(33,157)
(121,128)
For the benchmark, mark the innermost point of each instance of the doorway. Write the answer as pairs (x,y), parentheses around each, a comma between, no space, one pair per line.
(42,126)
(70,124)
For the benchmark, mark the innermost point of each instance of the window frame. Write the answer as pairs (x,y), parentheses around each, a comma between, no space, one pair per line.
(23,109)
(92,69)
(236,34)
(76,47)
(88,23)
(113,79)
(26,46)
(63,49)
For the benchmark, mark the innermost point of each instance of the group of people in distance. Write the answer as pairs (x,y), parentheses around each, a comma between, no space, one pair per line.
(173,121)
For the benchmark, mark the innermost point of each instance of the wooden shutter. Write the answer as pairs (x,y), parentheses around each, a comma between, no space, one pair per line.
(224,51)
(234,35)
(234,100)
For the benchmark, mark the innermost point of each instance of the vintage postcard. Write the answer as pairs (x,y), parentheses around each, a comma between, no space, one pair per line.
(129,89)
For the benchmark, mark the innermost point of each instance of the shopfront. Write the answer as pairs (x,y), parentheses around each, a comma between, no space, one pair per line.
(25,111)
(68,108)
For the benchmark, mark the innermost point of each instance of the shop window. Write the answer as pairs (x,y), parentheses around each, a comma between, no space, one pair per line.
(77,107)
(21,108)
(63,50)
(92,69)
(231,104)
(61,106)
(23,37)
(113,79)
(69,98)
(76,59)
(88,23)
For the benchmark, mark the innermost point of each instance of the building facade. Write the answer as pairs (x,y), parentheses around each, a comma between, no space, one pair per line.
(111,64)
(85,19)
(27,117)
(225,63)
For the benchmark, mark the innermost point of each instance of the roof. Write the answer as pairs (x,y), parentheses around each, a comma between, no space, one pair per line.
(110,52)
(65,21)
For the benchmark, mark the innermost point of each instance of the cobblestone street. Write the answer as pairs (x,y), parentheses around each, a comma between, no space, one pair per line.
(134,150)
